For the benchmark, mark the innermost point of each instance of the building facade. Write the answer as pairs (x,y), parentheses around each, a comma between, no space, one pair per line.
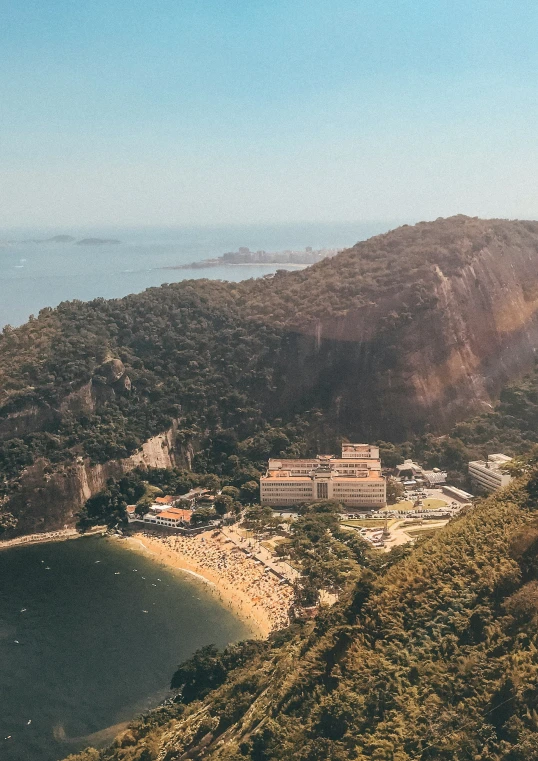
(490,474)
(354,479)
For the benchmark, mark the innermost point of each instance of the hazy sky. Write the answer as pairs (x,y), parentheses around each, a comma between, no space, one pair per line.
(212,111)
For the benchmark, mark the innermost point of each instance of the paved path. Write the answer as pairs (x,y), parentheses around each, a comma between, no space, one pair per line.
(399,535)
(280,568)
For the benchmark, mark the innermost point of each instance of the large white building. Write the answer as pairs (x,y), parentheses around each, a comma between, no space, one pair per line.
(490,474)
(354,479)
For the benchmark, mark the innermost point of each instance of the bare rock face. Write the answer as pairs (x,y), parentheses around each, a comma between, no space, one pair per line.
(112,375)
(25,421)
(109,380)
(111,370)
(49,500)
(391,368)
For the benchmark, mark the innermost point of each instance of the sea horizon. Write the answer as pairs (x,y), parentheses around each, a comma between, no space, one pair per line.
(39,275)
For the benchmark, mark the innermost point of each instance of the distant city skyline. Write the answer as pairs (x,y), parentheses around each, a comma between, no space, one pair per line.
(119,113)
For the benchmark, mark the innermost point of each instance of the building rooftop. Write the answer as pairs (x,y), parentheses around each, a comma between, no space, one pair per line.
(409,465)
(367,475)
(494,461)
(174,513)
(167,500)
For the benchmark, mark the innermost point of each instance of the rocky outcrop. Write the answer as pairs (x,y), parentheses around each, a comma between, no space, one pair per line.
(384,375)
(48,499)
(28,420)
(109,380)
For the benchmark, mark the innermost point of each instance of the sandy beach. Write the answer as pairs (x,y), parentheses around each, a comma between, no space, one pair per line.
(241,583)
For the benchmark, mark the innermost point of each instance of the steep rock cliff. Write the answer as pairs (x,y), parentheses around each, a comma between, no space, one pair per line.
(48,500)
(430,353)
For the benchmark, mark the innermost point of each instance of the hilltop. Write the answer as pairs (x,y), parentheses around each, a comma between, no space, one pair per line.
(407,332)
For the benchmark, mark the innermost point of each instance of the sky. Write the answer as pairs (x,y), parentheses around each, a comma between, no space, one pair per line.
(182,112)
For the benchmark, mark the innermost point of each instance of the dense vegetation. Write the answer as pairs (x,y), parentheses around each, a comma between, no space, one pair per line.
(432,657)
(397,266)
(427,654)
(142,485)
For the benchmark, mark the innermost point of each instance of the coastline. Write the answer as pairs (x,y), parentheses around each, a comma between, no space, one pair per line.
(236,580)
(233,576)
(203,266)
(63,535)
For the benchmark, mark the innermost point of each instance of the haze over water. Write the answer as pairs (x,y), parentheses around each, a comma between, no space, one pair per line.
(33,276)
(88,657)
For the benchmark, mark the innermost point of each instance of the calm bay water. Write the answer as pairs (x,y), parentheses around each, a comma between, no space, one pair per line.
(78,654)
(33,276)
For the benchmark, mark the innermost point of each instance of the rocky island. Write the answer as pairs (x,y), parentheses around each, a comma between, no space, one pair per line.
(54,239)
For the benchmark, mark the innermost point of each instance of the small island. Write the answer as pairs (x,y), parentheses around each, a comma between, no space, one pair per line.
(97,242)
(54,239)
(244,256)
(68,239)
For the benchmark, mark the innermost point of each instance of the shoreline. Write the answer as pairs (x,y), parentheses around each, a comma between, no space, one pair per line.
(235,579)
(231,575)
(62,535)
(200,266)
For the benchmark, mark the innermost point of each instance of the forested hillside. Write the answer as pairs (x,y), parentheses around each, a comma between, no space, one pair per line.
(401,335)
(431,657)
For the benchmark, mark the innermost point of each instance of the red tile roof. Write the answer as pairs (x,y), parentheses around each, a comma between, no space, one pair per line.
(175,513)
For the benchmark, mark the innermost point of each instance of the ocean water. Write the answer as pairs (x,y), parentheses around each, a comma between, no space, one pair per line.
(78,654)
(33,276)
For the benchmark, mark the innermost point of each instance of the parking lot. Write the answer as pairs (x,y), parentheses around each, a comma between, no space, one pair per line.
(418,511)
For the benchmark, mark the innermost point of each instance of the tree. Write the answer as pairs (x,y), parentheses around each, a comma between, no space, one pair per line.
(259,518)
(208,667)
(250,492)
(391,455)
(306,592)
(7,521)
(143,505)
(199,674)
(211,482)
(231,491)
(223,504)
(394,490)
(203,515)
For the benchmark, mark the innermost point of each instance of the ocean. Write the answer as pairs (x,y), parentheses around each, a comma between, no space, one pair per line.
(37,275)
(87,642)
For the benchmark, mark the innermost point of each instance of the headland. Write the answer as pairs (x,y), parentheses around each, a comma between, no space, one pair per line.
(244,256)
